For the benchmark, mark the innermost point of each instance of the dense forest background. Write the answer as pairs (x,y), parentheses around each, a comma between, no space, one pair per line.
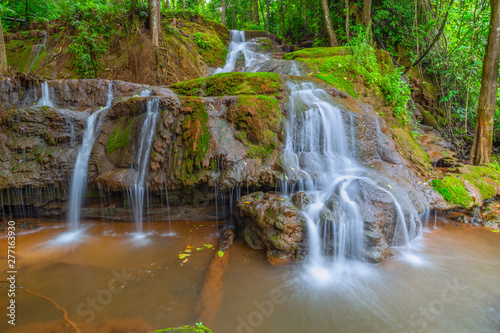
(441,42)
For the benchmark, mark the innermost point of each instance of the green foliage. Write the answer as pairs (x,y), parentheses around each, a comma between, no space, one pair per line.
(200,40)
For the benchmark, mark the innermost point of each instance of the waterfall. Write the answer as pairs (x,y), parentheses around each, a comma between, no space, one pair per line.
(317,151)
(39,48)
(238,48)
(45,100)
(139,191)
(79,176)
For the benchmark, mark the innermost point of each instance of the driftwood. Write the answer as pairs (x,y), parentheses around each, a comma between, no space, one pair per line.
(211,294)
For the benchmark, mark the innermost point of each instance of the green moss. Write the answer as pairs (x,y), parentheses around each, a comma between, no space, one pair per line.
(410,148)
(453,191)
(228,84)
(191,148)
(19,54)
(257,118)
(210,47)
(481,176)
(120,136)
(318,52)
(487,190)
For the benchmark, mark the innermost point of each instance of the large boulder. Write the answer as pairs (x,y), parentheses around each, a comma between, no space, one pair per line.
(272,224)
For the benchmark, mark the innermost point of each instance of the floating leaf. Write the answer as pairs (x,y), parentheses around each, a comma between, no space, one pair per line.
(187,251)
(199,248)
(495,230)
(389,186)
(207,245)
(292,169)
(185,261)
(189,247)
(220,254)
(183,255)
(246,202)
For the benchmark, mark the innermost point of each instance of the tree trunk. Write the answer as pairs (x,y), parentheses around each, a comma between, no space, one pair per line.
(304,14)
(223,13)
(328,22)
(256,8)
(483,137)
(366,17)
(154,21)
(282,19)
(3,56)
(347,33)
(267,16)
(167,5)
(184,5)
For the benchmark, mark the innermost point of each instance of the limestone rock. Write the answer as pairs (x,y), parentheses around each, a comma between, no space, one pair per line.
(269,223)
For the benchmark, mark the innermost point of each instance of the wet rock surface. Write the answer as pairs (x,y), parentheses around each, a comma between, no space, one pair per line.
(270,223)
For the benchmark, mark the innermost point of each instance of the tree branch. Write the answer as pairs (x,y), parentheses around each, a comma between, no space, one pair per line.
(441,29)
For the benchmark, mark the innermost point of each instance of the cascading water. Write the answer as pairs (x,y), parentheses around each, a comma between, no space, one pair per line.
(318,153)
(45,100)
(79,176)
(139,191)
(39,48)
(237,48)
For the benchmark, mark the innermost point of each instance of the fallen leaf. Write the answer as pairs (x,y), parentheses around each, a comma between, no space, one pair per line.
(199,248)
(185,261)
(220,254)
(207,245)
(246,202)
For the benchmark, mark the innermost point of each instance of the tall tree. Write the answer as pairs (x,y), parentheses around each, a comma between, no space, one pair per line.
(366,16)
(483,137)
(154,21)
(3,57)
(304,14)
(328,22)
(223,12)
(347,33)
(167,5)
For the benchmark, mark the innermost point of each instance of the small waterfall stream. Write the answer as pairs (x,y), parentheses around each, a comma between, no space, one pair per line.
(45,100)
(39,48)
(138,193)
(79,176)
(238,48)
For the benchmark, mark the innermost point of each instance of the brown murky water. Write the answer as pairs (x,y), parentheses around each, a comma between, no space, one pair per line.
(110,281)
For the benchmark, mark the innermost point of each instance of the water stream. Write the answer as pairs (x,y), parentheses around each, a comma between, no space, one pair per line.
(45,100)
(240,49)
(39,48)
(79,176)
(139,192)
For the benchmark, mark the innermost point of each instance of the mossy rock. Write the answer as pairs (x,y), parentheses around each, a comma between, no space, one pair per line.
(190,148)
(410,148)
(330,64)
(453,191)
(229,84)
(318,52)
(120,137)
(258,119)
(186,329)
